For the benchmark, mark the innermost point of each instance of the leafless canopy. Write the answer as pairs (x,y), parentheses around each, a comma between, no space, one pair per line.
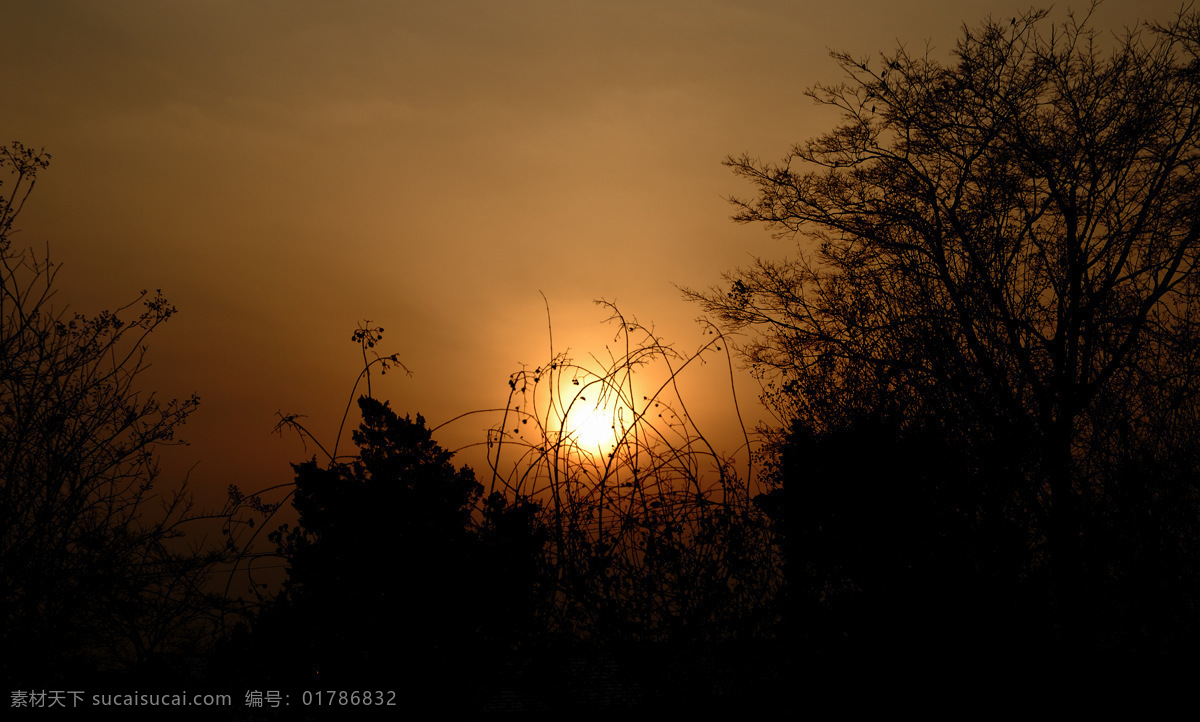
(1020,222)
(94,572)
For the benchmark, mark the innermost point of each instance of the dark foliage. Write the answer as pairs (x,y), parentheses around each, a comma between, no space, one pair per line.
(903,550)
(400,574)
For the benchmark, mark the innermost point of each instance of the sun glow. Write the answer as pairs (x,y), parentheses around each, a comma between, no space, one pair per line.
(591,425)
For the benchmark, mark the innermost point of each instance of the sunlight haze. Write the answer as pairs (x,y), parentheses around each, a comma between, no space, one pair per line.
(286,170)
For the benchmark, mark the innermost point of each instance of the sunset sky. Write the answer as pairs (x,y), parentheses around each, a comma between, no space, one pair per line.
(284,169)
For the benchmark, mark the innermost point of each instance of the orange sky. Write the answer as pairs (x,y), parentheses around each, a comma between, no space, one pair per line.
(283,169)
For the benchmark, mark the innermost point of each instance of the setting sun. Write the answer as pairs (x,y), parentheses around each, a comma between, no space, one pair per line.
(590,424)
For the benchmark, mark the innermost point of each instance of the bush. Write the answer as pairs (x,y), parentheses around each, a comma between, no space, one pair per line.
(400,572)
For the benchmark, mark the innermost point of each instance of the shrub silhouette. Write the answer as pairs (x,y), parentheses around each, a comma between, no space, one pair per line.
(380,559)
(902,549)
(400,573)
(651,538)
(662,572)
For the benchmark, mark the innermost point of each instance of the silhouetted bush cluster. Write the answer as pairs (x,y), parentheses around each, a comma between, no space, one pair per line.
(560,584)
(393,581)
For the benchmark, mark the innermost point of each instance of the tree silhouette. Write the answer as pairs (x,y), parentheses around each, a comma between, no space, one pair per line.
(379,547)
(400,573)
(92,577)
(1008,243)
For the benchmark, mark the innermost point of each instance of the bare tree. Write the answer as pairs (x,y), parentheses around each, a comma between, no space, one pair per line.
(1007,240)
(94,575)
